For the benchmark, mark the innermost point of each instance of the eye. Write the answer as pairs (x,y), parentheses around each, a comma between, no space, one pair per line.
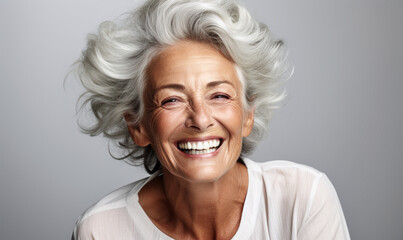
(170,101)
(220,96)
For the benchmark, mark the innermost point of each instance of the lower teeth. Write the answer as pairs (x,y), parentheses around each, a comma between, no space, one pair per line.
(210,150)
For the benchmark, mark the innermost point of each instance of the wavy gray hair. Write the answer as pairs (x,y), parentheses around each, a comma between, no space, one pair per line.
(114,64)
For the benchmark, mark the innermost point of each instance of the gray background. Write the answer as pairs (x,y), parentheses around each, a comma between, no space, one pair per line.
(343,114)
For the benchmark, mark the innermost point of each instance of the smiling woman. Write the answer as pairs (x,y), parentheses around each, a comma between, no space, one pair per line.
(188,88)
(193,98)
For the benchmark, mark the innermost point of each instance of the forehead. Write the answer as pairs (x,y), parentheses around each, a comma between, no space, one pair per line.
(189,62)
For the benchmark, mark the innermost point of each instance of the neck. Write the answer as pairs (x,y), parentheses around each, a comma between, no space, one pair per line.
(209,210)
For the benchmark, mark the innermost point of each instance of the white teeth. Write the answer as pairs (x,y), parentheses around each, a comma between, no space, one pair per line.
(196,152)
(201,147)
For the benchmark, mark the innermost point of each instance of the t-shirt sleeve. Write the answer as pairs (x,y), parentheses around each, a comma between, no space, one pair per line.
(105,224)
(82,232)
(324,218)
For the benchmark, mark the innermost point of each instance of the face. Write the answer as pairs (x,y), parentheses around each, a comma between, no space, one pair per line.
(194,118)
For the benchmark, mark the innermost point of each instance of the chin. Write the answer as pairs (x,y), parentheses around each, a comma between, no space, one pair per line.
(203,175)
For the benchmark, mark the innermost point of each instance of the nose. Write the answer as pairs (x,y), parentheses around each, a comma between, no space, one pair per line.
(199,117)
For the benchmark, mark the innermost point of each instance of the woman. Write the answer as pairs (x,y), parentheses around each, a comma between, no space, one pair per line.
(187,87)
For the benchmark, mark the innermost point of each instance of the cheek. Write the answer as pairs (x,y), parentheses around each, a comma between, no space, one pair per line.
(161,126)
(231,116)
(163,123)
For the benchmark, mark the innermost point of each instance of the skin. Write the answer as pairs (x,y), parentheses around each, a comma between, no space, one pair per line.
(193,93)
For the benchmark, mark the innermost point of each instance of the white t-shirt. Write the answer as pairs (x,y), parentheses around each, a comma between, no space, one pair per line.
(284,200)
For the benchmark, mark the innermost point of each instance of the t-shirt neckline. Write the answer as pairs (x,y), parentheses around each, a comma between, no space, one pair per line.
(248,217)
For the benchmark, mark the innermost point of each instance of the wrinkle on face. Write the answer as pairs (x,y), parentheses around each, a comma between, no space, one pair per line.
(182,100)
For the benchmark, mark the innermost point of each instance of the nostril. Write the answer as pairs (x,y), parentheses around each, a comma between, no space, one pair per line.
(199,119)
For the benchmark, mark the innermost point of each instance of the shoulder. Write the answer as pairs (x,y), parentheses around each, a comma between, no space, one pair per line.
(281,170)
(284,183)
(110,211)
(115,199)
(302,195)
(298,179)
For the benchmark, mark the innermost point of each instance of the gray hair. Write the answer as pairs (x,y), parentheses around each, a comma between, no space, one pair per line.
(114,64)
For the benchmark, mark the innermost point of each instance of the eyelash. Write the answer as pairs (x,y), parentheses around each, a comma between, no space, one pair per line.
(221,95)
(175,99)
(170,100)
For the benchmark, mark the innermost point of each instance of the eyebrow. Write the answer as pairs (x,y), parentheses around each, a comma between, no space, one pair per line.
(216,83)
(172,85)
(182,87)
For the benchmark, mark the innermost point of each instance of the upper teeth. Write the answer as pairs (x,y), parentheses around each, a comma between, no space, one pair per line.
(200,145)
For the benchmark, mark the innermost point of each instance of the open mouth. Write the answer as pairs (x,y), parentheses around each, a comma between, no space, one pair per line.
(200,147)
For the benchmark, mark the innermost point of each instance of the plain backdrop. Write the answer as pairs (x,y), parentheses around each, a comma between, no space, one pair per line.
(343,116)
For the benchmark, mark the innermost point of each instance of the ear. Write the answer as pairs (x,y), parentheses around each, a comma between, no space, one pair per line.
(138,133)
(248,122)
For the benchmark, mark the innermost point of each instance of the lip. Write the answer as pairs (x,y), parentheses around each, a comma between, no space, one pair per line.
(206,155)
